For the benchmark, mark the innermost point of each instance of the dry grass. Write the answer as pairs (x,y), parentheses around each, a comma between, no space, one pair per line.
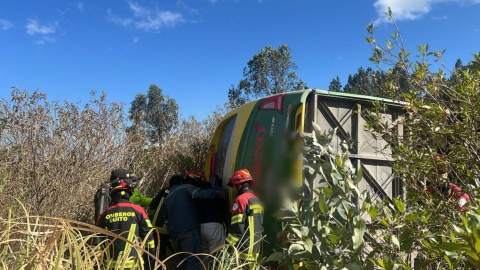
(40,242)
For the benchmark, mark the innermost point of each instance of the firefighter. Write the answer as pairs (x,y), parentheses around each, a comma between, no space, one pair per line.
(102,198)
(180,215)
(246,225)
(155,215)
(128,220)
(137,197)
(446,188)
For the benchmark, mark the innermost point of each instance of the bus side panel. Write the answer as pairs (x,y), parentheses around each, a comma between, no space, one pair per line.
(266,150)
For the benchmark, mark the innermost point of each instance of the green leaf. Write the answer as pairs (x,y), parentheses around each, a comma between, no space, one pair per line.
(316,253)
(297,232)
(353,266)
(338,161)
(358,234)
(359,176)
(275,257)
(284,215)
(341,211)
(453,246)
(400,205)
(334,238)
(322,204)
(296,247)
(336,175)
(316,127)
(395,241)
(300,255)
(373,211)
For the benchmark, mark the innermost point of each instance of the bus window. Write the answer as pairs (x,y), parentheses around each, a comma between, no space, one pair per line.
(223,157)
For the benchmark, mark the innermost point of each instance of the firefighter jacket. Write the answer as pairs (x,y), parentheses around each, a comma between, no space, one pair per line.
(155,213)
(138,198)
(246,226)
(179,210)
(130,221)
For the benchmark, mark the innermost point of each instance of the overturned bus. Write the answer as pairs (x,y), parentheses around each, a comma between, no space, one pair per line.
(260,135)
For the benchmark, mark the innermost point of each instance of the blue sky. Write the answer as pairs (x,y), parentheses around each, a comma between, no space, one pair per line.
(194,50)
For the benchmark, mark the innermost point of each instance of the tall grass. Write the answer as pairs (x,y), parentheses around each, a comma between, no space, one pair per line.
(40,242)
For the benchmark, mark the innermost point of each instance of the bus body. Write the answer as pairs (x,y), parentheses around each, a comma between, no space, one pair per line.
(259,136)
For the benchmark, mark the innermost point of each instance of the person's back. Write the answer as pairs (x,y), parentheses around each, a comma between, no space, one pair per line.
(179,208)
(212,214)
(127,220)
(180,214)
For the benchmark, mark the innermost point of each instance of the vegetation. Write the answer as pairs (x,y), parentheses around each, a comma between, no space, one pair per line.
(269,72)
(324,229)
(55,155)
(154,114)
(417,230)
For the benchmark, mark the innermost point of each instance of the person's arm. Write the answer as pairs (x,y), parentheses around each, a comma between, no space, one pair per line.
(139,199)
(198,193)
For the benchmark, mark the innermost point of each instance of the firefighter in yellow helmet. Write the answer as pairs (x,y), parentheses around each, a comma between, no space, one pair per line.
(246,226)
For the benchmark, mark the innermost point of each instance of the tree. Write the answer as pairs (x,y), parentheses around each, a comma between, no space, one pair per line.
(335,85)
(366,82)
(154,113)
(269,72)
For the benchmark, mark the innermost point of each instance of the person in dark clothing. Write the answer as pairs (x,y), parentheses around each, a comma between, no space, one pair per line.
(246,225)
(181,217)
(212,216)
(155,215)
(102,197)
(129,221)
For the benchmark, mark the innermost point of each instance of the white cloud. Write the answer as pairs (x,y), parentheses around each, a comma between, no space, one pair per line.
(44,40)
(34,27)
(441,18)
(409,9)
(80,6)
(190,9)
(147,19)
(135,39)
(5,25)
(118,20)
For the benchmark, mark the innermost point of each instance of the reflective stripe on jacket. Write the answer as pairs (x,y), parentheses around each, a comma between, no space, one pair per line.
(130,221)
(155,213)
(246,225)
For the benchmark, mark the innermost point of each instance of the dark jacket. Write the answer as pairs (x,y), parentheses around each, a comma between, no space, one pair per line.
(179,210)
(212,210)
(246,226)
(128,220)
(155,213)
